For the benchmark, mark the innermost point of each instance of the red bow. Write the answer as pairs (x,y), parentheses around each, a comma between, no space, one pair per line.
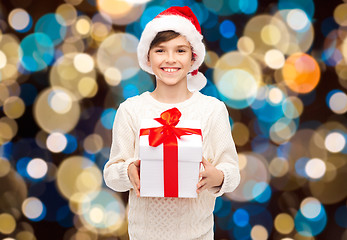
(168,134)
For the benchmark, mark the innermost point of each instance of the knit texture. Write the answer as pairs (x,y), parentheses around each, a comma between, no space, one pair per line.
(172,218)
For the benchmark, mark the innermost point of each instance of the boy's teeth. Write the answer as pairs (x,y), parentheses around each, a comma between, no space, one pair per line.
(170,69)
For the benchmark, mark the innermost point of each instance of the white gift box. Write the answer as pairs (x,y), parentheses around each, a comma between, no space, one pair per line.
(189,157)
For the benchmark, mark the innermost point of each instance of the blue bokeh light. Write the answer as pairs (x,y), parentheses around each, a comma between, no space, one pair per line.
(36,52)
(340,216)
(307,6)
(53,26)
(71,145)
(149,14)
(310,227)
(107,117)
(227,29)
(261,192)
(248,6)
(21,166)
(241,217)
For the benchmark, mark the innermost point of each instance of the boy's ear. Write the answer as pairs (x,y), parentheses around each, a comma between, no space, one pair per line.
(148,62)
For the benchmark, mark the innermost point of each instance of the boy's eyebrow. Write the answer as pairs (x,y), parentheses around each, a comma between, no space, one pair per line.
(178,46)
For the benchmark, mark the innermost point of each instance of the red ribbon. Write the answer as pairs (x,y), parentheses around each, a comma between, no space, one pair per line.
(168,134)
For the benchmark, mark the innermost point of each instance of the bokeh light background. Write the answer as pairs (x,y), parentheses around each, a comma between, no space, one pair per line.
(279,66)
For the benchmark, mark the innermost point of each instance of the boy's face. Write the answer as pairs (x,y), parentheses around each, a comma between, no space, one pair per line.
(171,61)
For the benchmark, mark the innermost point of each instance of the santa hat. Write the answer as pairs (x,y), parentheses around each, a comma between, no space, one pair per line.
(183,21)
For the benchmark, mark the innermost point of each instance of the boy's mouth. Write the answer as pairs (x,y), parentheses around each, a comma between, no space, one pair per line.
(170,69)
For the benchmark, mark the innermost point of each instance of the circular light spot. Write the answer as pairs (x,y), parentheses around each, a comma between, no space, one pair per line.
(297,19)
(310,207)
(56,142)
(240,133)
(335,142)
(315,168)
(3,60)
(96,214)
(60,101)
(87,87)
(338,102)
(275,95)
(78,175)
(211,59)
(259,232)
(52,25)
(68,13)
(37,168)
(241,217)
(33,208)
(122,55)
(278,167)
(254,177)
(292,107)
(93,143)
(36,52)
(19,20)
(57,115)
(14,107)
(83,26)
(239,86)
(5,166)
(274,59)
(284,223)
(270,34)
(25,235)
(227,29)
(301,73)
(113,76)
(67,73)
(83,63)
(74,2)
(340,15)
(102,210)
(7,223)
(8,129)
(245,45)
(121,12)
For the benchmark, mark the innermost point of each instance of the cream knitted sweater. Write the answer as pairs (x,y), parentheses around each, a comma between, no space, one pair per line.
(172,218)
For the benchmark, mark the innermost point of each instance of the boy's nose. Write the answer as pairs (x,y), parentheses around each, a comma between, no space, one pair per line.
(170,57)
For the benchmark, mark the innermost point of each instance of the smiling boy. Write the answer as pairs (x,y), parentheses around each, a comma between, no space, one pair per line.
(171,48)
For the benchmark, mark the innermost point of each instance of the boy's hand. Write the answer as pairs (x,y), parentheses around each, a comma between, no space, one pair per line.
(134,175)
(211,177)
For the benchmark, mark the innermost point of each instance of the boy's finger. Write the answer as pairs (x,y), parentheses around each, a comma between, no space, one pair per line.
(202,174)
(137,163)
(201,183)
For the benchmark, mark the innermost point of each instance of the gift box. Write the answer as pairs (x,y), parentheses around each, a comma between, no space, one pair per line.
(170,154)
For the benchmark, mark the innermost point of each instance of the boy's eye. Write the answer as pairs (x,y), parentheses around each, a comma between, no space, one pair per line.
(159,50)
(181,50)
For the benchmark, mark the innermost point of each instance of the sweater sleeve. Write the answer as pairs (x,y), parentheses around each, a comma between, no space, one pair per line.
(122,152)
(223,151)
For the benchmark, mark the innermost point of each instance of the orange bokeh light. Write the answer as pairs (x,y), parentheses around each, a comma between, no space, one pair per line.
(301,73)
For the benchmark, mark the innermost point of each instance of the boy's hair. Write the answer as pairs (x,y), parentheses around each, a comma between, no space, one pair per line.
(165,36)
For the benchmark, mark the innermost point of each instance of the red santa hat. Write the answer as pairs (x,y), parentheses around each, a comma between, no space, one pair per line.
(183,21)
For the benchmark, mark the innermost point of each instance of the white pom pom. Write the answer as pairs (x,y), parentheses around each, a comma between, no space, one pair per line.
(196,82)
